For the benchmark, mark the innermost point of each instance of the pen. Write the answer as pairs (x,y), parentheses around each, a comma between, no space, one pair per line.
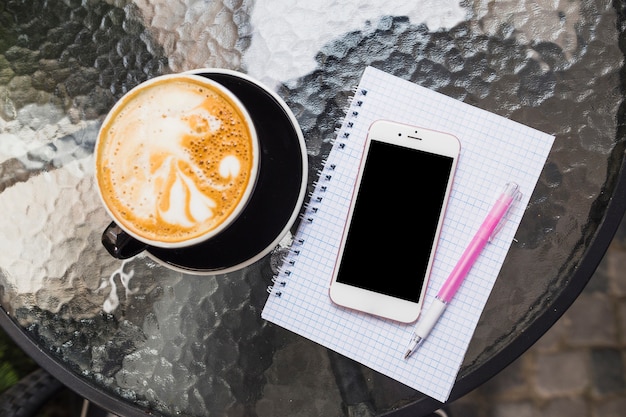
(487,231)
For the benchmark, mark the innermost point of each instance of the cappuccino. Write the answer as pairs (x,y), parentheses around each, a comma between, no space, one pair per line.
(176,160)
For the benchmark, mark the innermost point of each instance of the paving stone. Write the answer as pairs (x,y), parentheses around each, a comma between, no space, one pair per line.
(554,338)
(508,383)
(566,407)
(611,408)
(621,320)
(607,369)
(518,409)
(616,260)
(561,374)
(592,321)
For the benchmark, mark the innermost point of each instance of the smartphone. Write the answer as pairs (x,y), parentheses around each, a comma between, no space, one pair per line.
(396,215)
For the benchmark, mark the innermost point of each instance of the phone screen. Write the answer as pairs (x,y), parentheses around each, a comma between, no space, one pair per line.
(394,222)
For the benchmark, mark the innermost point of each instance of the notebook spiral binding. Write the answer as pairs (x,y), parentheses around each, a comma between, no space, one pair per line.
(316,197)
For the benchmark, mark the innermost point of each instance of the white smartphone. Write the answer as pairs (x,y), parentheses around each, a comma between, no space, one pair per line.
(397,211)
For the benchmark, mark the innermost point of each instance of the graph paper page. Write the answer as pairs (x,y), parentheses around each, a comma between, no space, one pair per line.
(494,151)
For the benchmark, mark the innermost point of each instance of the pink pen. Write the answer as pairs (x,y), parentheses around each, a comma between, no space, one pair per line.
(487,231)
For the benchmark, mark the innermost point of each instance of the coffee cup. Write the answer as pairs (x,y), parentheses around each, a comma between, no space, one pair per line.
(177,160)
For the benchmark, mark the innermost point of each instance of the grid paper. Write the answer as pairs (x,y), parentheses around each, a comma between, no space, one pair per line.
(494,151)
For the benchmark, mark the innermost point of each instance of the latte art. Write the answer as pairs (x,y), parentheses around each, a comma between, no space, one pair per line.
(175,160)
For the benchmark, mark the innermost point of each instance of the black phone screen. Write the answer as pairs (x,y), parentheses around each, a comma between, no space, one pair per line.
(394,222)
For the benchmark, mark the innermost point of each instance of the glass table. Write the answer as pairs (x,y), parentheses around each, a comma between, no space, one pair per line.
(138,338)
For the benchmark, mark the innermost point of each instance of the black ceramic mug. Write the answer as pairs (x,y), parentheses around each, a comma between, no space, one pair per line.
(269,209)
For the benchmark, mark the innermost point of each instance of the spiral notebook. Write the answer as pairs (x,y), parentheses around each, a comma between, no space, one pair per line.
(494,151)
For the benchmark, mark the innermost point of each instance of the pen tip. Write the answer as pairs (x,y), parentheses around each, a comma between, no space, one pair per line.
(407,354)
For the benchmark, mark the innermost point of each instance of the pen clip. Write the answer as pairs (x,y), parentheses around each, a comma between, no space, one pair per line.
(512,190)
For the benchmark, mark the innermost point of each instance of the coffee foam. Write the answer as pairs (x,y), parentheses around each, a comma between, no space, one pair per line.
(174,161)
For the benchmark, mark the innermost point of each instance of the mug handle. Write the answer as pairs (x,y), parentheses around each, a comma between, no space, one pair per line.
(119,243)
